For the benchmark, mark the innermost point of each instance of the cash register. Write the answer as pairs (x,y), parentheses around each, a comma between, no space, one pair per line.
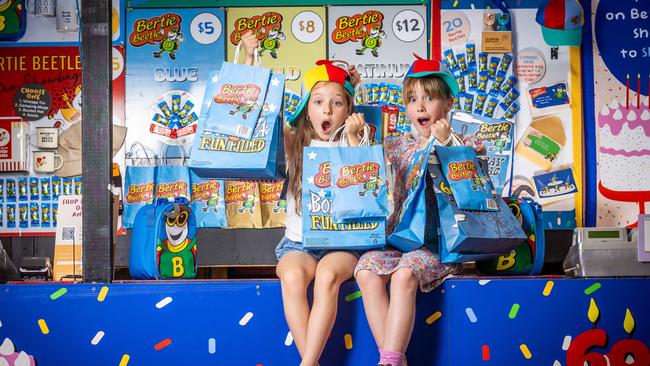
(604,252)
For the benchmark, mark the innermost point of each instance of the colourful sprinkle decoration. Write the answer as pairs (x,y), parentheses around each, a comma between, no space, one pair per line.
(246,319)
(58,293)
(0,323)
(485,351)
(484,282)
(557,363)
(212,346)
(164,302)
(348,341)
(125,360)
(98,337)
(566,343)
(513,311)
(43,325)
(102,294)
(548,288)
(525,351)
(455,3)
(289,339)
(435,316)
(352,296)
(471,315)
(162,344)
(593,288)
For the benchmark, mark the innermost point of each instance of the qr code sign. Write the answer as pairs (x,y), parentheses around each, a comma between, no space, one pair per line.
(67,233)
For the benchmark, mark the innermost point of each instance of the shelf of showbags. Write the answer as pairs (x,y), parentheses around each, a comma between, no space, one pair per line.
(29,204)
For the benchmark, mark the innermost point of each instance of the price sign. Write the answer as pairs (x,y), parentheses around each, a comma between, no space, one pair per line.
(307,27)
(454,28)
(206,28)
(118,63)
(408,26)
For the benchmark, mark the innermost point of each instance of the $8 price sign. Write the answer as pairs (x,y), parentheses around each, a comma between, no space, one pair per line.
(307,27)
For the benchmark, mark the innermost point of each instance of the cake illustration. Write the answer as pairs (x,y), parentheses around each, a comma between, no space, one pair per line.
(624,136)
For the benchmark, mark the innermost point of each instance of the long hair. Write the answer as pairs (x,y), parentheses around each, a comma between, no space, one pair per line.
(302,135)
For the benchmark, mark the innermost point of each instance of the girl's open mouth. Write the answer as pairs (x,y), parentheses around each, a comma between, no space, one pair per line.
(326,126)
(423,121)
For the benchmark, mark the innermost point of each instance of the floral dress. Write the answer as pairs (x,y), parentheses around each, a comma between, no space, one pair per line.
(424,264)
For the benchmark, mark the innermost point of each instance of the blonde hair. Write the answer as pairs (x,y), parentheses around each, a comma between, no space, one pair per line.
(302,134)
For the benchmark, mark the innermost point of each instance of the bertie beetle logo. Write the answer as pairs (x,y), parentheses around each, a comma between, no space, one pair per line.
(323,178)
(267,29)
(243,97)
(140,193)
(365,28)
(365,175)
(164,31)
(466,170)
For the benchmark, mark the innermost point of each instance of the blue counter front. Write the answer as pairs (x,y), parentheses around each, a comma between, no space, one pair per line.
(466,321)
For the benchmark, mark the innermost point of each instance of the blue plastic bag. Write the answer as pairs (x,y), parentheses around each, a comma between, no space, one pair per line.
(414,227)
(470,233)
(172,181)
(319,231)
(359,177)
(208,202)
(139,182)
(215,155)
(528,257)
(238,101)
(471,187)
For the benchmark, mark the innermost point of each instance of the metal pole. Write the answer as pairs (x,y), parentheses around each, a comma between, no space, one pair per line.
(97,136)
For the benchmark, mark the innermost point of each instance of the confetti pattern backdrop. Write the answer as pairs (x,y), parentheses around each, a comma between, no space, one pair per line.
(464,322)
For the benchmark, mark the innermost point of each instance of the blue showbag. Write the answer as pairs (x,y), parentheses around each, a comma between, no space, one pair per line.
(319,231)
(415,227)
(140,184)
(471,187)
(468,235)
(373,116)
(359,176)
(172,181)
(208,202)
(215,155)
(237,104)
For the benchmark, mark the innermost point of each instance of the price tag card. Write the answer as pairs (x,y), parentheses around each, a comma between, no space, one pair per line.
(291,39)
(379,40)
(170,54)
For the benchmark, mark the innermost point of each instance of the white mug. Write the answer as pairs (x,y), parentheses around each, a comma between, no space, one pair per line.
(47,137)
(67,16)
(45,8)
(45,161)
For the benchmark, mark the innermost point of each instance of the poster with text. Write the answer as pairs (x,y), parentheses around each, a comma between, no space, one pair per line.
(291,39)
(168,58)
(497,85)
(619,119)
(379,40)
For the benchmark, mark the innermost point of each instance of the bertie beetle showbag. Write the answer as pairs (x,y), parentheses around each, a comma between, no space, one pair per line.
(208,201)
(470,234)
(140,187)
(415,226)
(216,155)
(240,93)
(319,231)
(359,177)
(163,241)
